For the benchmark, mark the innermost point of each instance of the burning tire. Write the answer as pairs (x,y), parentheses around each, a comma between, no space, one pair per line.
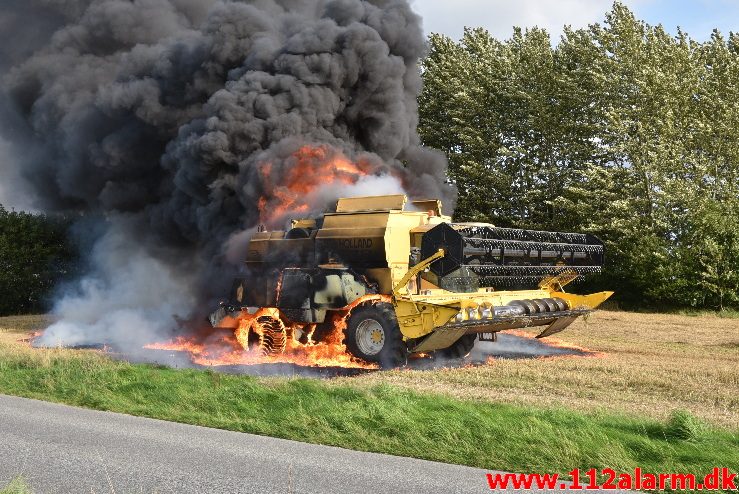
(372,334)
(272,335)
(460,349)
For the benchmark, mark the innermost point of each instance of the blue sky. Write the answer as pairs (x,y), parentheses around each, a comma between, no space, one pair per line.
(697,17)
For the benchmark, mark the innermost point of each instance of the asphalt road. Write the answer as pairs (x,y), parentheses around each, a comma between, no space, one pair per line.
(60,449)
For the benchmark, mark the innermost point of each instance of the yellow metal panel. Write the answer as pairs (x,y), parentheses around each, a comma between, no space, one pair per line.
(443,297)
(382,277)
(351,234)
(592,301)
(311,224)
(559,281)
(398,239)
(418,320)
(376,203)
(411,273)
(355,221)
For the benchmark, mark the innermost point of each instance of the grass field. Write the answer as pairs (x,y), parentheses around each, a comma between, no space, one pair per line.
(621,410)
(652,365)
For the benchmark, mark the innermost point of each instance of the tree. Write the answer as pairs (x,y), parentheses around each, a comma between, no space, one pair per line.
(621,130)
(34,254)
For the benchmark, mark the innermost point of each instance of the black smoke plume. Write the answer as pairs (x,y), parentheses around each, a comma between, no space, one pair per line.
(158,117)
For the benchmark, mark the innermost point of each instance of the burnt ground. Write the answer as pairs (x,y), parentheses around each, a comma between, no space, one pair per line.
(508,347)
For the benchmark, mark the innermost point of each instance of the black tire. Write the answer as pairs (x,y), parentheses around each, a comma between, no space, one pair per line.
(392,352)
(460,349)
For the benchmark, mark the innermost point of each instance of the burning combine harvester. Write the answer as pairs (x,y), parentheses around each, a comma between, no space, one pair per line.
(399,278)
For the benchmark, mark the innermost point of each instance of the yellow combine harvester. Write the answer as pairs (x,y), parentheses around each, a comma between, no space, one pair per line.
(404,279)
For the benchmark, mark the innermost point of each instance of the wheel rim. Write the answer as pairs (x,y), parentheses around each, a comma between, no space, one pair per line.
(370,337)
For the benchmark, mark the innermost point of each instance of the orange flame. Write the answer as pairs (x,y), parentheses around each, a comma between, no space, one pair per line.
(294,191)
(235,350)
(314,167)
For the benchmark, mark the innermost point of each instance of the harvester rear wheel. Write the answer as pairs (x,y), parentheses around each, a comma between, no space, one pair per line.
(272,336)
(460,349)
(372,334)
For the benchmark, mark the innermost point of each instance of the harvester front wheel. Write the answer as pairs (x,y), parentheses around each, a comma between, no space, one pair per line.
(461,348)
(372,334)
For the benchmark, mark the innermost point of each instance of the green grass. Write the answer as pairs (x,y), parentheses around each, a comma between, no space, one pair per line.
(383,413)
(382,418)
(724,314)
(16,486)
(680,311)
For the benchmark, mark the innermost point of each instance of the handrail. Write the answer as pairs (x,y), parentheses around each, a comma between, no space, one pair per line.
(415,270)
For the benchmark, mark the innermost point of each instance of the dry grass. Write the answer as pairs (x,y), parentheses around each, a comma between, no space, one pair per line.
(653,364)
(18,329)
(22,324)
(16,333)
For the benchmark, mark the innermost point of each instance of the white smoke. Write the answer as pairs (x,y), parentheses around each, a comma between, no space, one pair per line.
(369,186)
(515,346)
(129,299)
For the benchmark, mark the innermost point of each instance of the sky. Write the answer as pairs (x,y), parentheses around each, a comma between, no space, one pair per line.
(697,17)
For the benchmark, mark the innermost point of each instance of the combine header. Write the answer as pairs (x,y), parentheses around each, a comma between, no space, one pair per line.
(401,278)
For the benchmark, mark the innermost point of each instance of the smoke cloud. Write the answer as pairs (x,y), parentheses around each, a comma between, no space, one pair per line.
(8,176)
(130,297)
(178,122)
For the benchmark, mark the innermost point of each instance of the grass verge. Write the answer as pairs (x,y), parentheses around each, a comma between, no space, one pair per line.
(16,486)
(379,418)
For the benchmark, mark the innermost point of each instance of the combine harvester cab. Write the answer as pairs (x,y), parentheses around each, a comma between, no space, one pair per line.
(399,278)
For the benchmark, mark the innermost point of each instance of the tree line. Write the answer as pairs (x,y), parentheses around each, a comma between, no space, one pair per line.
(35,253)
(620,129)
